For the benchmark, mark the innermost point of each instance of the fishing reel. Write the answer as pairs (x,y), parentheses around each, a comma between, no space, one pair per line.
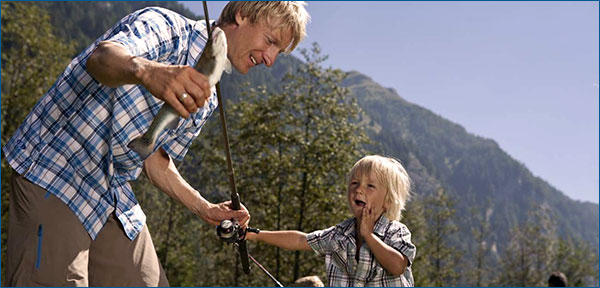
(230,231)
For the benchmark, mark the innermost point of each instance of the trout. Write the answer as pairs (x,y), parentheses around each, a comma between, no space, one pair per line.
(212,63)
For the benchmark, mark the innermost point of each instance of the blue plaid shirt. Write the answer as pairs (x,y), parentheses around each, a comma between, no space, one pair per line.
(74,141)
(338,244)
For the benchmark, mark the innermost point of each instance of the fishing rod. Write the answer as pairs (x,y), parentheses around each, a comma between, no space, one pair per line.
(229,230)
(235,197)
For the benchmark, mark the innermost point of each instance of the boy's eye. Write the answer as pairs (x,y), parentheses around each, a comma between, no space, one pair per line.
(371,186)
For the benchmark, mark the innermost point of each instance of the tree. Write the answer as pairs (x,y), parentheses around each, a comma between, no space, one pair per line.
(32,58)
(292,150)
(478,275)
(415,220)
(578,261)
(532,247)
(440,256)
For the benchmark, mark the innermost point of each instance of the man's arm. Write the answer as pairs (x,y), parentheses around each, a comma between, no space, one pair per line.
(163,174)
(113,66)
(291,240)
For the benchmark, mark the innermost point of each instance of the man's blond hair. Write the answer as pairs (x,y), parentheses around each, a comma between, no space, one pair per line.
(277,14)
(392,175)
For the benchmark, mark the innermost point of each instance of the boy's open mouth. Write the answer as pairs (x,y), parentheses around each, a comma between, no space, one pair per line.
(360,203)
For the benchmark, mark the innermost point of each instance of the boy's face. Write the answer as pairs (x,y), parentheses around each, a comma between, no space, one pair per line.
(365,191)
(251,44)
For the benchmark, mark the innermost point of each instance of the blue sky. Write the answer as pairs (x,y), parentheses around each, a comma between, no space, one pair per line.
(522,73)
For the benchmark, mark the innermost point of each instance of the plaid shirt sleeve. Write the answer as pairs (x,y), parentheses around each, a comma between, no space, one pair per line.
(149,33)
(400,240)
(178,147)
(320,241)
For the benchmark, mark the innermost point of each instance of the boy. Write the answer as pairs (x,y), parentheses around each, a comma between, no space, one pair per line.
(378,189)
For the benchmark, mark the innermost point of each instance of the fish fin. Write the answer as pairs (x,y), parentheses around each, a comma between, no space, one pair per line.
(227,68)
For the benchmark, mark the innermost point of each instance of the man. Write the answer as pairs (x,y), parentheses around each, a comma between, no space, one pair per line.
(74,220)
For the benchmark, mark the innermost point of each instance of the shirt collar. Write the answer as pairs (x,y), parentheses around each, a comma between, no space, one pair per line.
(380,225)
(349,226)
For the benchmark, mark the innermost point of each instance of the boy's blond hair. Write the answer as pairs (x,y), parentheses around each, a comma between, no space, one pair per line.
(277,14)
(389,173)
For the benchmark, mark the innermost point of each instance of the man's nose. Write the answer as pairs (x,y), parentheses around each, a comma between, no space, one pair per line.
(270,55)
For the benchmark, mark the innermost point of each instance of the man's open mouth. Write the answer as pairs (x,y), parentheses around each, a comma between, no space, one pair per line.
(360,203)
(253,60)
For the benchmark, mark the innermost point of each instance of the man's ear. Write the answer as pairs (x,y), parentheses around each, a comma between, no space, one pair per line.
(239,19)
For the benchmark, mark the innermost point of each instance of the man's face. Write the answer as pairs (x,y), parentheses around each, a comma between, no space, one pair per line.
(252,44)
(365,190)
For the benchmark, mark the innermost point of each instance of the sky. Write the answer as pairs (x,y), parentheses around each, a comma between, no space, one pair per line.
(524,74)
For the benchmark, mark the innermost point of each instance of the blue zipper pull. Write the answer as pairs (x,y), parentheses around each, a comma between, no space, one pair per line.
(39,254)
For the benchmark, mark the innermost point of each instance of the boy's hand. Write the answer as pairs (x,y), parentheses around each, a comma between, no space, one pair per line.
(368,219)
(250,236)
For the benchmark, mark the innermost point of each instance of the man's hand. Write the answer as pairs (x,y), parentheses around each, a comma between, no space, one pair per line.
(170,82)
(215,213)
(112,65)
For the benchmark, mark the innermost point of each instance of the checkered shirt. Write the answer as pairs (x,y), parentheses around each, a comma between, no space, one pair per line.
(338,244)
(74,141)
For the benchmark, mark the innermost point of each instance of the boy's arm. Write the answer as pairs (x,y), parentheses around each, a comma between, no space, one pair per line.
(391,259)
(290,240)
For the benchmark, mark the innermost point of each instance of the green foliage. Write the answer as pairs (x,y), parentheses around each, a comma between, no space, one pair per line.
(283,170)
(88,20)
(32,58)
(535,251)
(478,275)
(292,150)
(414,218)
(439,257)
(530,250)
(578,261)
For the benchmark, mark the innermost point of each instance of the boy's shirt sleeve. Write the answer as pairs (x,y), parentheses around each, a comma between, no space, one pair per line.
(400,240)
(321,240)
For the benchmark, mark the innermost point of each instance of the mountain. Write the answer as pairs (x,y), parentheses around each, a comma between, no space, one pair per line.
(83,22)
(474,170)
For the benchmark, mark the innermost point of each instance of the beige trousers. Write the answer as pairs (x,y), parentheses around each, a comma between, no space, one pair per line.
(48,246)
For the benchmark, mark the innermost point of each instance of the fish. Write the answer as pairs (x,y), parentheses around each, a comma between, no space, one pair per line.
(212,63)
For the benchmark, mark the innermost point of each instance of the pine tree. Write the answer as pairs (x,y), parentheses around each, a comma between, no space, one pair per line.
(481,231)
(441,255)
(530,252)
(578,261)
(414,218)
(292,150)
